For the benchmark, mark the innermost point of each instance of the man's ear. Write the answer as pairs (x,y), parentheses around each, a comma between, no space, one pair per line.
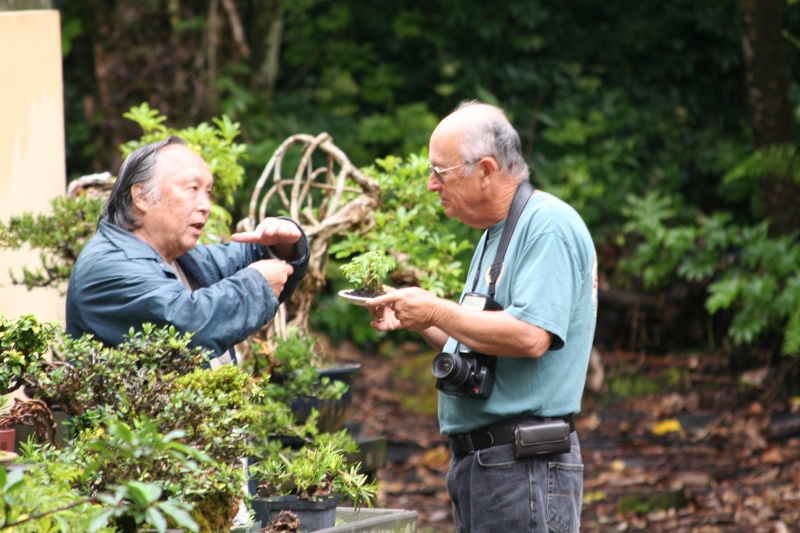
(488,167)
(138,197)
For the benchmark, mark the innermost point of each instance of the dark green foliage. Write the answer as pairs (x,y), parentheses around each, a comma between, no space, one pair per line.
(24,344)
(430,250)
(59,237)
(748,272)
(369,271)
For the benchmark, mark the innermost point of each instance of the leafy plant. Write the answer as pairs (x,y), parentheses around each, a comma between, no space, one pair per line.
(66,500)
(319,468)
(153,384)
(24,342)
(43,499)
(746,271)
(368,271)
(412,228)
(291,369)
(59,237)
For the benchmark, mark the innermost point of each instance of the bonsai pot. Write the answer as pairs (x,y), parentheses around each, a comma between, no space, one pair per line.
(332,413)
(8,440)
(318,513)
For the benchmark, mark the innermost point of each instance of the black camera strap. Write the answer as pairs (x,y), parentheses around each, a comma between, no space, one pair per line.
(521,197)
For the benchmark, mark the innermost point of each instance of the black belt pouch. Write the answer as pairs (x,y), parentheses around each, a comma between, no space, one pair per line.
(534,438)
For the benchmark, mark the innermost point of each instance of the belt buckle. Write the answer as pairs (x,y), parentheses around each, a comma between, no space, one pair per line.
(462,444)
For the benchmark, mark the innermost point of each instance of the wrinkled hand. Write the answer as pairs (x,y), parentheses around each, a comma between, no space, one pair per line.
(272,231)
(412,308)
(275,271)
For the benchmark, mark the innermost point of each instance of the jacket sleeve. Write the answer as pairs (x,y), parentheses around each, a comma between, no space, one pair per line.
(219,262)
(115,293)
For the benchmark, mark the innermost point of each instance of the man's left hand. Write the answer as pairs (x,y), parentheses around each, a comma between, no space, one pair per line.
(411,308)
(271,232)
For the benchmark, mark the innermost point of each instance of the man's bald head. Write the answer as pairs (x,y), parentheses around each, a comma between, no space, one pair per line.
(483,130)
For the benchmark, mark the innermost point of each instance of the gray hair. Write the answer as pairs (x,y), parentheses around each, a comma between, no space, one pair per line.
(491,134)
(139,167)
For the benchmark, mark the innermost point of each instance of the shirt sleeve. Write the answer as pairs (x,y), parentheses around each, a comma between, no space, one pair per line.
(544,285)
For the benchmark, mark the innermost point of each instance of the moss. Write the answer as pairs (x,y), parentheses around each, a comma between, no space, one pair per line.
(646,503)
(215,512)
(638,385)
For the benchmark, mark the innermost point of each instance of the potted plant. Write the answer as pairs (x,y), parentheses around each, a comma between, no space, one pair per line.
(308,482)
(155,376)
(297,373)
(367,272)
(23,344)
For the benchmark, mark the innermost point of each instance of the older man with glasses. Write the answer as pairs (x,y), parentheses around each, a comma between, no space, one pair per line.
(515,349)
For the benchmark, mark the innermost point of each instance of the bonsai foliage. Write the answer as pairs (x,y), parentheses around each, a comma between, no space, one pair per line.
(318,469)
(43,499)
(135,378)
(59,237)
(291,367)
(62,502)
(23,344)
(151,395)
(368,271)
(412,228)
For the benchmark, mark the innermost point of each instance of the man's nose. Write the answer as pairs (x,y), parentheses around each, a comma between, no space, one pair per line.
(433,184)
(204,202)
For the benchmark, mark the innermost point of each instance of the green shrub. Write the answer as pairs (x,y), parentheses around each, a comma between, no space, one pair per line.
(746,271)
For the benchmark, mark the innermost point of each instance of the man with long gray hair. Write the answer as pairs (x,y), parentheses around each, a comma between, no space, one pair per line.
(144,263)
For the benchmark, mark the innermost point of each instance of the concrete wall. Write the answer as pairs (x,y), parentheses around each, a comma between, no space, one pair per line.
(32,158)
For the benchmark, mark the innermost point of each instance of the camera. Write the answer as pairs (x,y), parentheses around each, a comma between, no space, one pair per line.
(464,372)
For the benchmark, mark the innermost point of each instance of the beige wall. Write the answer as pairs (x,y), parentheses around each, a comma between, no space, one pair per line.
(32,158)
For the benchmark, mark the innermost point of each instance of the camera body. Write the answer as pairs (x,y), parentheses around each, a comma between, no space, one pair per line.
(464,372)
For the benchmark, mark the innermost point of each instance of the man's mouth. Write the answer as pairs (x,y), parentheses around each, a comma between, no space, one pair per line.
(199,226)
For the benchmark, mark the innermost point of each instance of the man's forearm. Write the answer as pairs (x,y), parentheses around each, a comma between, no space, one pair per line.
(435,337)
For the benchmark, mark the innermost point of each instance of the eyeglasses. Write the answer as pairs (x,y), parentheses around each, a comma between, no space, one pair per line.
(437,172)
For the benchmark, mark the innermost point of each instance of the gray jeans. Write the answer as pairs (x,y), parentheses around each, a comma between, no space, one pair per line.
(493,491)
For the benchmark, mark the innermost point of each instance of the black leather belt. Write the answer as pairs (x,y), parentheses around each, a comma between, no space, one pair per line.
(495,434)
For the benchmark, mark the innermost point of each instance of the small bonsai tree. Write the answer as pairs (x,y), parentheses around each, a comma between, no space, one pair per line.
(24,342)
(290,365)
(368,271)
(320,468)
(154,384)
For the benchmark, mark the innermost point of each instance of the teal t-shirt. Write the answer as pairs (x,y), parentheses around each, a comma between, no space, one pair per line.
(549,280)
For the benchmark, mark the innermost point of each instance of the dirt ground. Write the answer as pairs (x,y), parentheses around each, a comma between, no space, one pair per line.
(670,443)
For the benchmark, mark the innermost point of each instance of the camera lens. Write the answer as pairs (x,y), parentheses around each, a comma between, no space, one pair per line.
(450,368)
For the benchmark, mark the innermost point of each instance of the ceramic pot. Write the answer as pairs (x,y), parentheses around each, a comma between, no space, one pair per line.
(316,514)
(8,440)
(332,413)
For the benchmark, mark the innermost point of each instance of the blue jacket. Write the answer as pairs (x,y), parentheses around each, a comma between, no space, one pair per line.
(120,282)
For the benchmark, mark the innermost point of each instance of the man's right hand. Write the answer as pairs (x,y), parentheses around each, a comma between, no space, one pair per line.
(275,271)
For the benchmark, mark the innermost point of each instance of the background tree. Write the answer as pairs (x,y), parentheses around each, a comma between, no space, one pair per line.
(764,51)
(674,144)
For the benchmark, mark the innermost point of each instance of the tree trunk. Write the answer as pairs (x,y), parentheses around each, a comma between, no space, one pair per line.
(266,27)
(768,97)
